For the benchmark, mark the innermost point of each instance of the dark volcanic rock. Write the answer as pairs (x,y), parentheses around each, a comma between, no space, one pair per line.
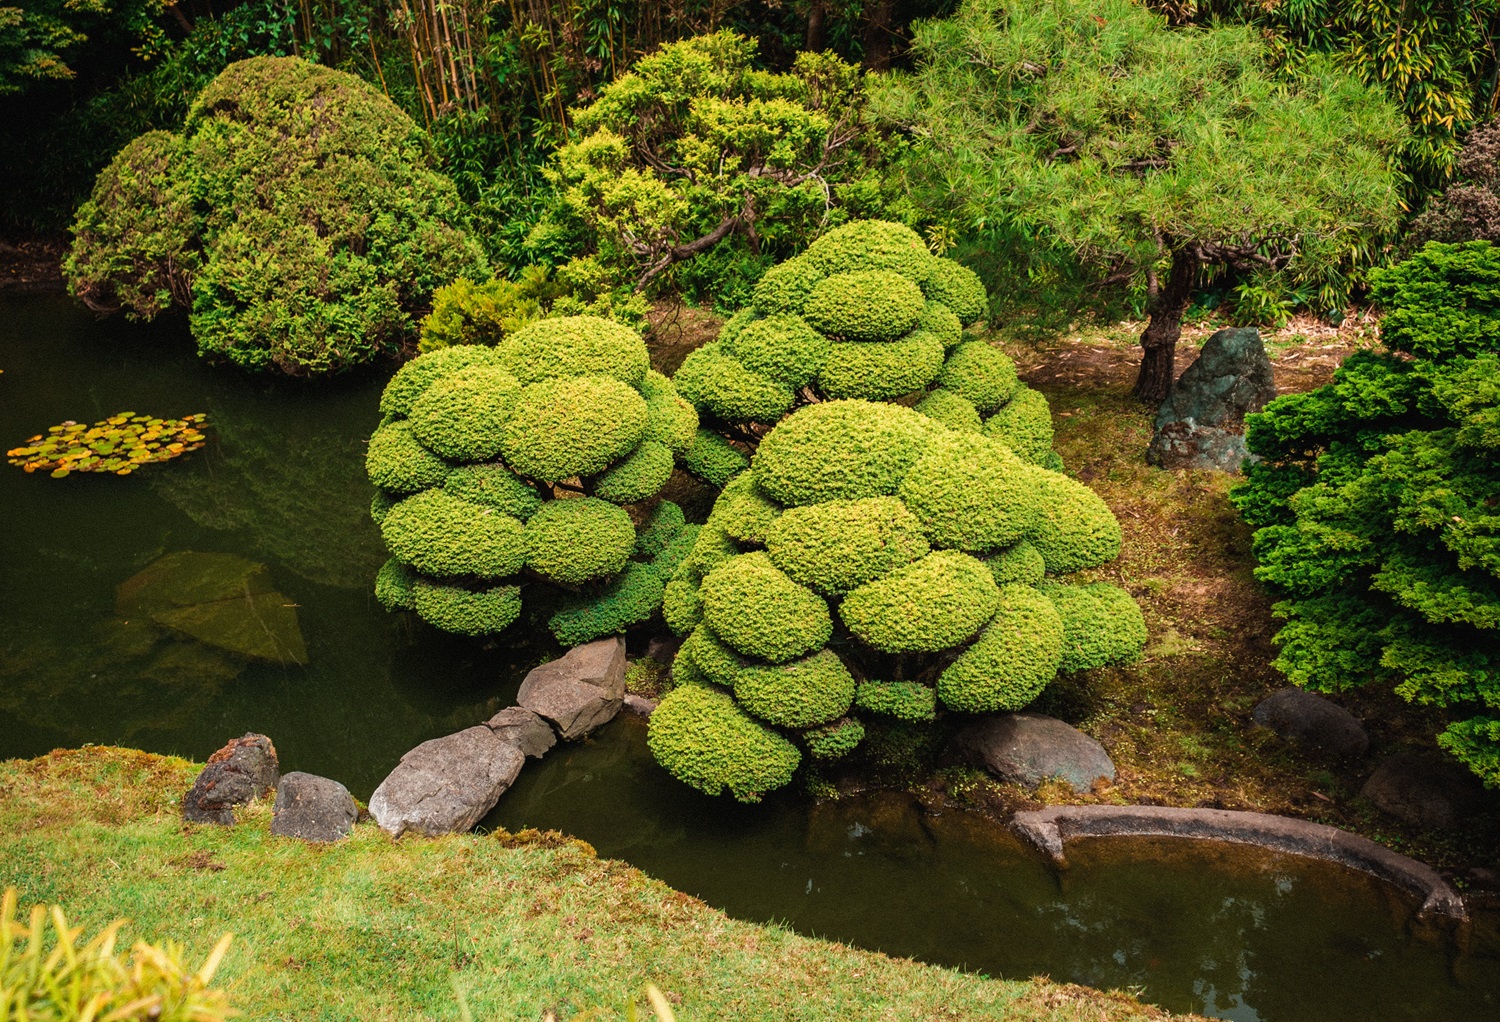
(580,690)
(312,808)
(243,770)
(1426,790)
(523,729)
(1029,748)
(446,785)
(1200,424)
(1314,723)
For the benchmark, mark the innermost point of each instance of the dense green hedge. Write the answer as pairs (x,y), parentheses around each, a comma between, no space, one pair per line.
(868,538)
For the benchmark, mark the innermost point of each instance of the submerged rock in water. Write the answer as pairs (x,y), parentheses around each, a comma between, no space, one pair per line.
(1029,748)
(523,729)
(242,770)
(1314,723)
(580,690)
(313,808)
(1201,424)
(1426,790)
(446,785)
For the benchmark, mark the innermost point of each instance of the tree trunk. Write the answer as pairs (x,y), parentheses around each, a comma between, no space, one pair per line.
(1164,325)
(815,15)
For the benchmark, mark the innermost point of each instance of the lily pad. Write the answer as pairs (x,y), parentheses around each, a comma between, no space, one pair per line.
(70,447)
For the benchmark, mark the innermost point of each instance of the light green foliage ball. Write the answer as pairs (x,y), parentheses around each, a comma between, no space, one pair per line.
(839,545)
(464,312)
(982,373)
(681,607)
(568,346)
(714,459)
(670,420)
(1074,528)
(744,511)
(395,586)
(868,305)
(397,462)
(871,245)
(840,450)
(714,660)
(440,535)
(459,417)
(711,378)
(493,486)
(381,504)
(929,605)
(467,611)
(1101,625)
(957,413)
(675,552)
(903,700)
(1021,562)
(712,548)
(754,607)
(734,324)
(970,493)
(628,600)
(1024,425)
(704,740)
(783,348)
(574,540)
(642,474)
(661,527)
(803,693)
(836,740)
(1013,659)
(785,288)
(959,288)
(572,427)
(939,321)
(412,379)
(880,370)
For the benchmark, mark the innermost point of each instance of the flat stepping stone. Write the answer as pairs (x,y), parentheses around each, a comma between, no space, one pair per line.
(523,729)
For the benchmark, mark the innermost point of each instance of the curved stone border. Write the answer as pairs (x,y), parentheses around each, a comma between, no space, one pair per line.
(1049,830)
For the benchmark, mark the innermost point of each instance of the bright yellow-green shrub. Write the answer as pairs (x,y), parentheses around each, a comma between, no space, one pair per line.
(1020,562)
(871,245)
(743,511)
(834,741)
(802,693)
(703,739)
(466,611)
(923,607)
(665,527)
(754,607)
(982,373)
(970,493)
(725,386)
(572,427)
(1074,529)
(670,420)
(567,346)
(868,305)
(395,586)
(955,412)
(442,536)
(1101,625)
(640,475)
(397,462)
(903,700)
(785,288)
(412,379)
(1024,424)
(1012,661)
(713,659)
(576,540)
(681,606)
(958,288)
(781,347)
(840,545)
(464,312)
(714,459)
(460,416)
(940,321)
(880,370)
(493,486)
(840,450)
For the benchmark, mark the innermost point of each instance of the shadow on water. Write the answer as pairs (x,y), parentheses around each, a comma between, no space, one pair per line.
(1229,933)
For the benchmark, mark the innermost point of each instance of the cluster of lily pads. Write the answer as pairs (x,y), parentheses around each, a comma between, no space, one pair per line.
(120,444)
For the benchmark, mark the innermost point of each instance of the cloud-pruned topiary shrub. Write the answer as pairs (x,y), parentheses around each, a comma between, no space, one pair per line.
(874,563)
(527,465)
(298,217)
(867,313)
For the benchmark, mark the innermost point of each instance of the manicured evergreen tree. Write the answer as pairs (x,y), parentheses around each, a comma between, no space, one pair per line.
(1376,504)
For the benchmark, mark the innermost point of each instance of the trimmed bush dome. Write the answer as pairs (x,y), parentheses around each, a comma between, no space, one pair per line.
(299,218)
(868,543)
(527,464)
(866,313)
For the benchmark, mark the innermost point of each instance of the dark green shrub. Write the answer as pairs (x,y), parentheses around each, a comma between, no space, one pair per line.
(466,611)
(834,741)
(630,599)
(298,216)
(703,739)
(903,700)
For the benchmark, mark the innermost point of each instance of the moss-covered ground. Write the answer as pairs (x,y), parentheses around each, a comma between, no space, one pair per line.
(526,927)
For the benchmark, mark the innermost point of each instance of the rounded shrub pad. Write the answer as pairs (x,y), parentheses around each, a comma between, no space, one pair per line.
(670,420)
(572,427)
(926,606)
(1024,425)
(1021,562)
(395,586)
(568,346)
(642,474)
(680,606)
(1074,528)
(467,611)
(781,347)
(714,660)
(460,416)
(704,740)
(396,461)
(939,321)
(577,539)
(714,459)
(440,535)
(840,450)
(879,370)
(493,486)
(743,510)
(869,305)
(786,287)
(903,700)
(628,600)
(664,524)
(755,608)
(957,413)
(982,373)
(1012,661)
(381,504)
(871,245)
(412,379)
(970,493)
(734,324)
(839,545)
(836,740)
(959,288)
(800,694)
(715,380)
(1102,625)
(671,556)
(712,548)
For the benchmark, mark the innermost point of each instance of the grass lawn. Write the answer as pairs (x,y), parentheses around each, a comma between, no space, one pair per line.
(528,927)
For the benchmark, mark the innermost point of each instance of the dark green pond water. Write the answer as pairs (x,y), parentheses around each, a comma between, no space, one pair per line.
(1230,934)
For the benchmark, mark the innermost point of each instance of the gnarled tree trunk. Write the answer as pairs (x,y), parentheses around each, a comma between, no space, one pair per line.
(1166,308)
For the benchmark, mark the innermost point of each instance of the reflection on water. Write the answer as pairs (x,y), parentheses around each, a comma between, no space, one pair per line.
(281,485)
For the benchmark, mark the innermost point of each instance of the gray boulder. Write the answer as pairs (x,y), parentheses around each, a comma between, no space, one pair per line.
(640,705)
(1312,722)
(446,785)
(1200,425)
(580,690)
(1426,790)
(523,729)
(1188,445)
(242,770)
(313,808)
(1029,748)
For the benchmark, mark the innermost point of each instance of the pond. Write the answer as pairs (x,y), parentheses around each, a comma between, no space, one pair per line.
(281,485)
